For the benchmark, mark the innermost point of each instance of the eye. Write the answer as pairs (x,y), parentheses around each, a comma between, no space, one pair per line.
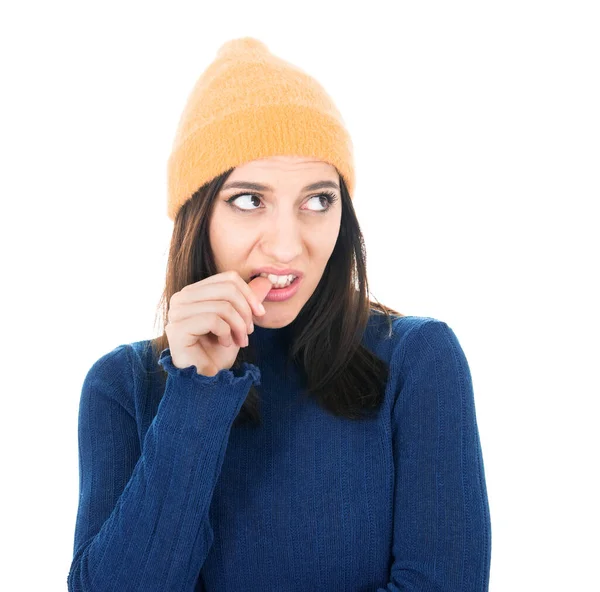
(328,196)
(237,197)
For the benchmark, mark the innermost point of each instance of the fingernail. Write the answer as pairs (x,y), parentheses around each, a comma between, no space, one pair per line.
(261,308)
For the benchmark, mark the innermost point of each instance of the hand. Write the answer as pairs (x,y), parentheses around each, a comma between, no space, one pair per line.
(210,320)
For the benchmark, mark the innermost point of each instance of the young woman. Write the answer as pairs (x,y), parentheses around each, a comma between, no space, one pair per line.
(283,432)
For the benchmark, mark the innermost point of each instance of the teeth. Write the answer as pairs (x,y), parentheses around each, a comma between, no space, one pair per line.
(279,281)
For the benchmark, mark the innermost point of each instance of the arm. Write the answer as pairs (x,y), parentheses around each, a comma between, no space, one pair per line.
(142,521)
(442,528)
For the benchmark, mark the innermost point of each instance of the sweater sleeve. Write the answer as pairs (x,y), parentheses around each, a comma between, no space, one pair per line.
(442,528)
(142,520)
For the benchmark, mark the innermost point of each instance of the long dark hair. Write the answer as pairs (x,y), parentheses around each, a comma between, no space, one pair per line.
(342,376)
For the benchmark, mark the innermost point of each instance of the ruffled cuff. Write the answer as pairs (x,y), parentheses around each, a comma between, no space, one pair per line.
(245,371)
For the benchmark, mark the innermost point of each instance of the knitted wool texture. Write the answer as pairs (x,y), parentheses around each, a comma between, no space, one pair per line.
(250,104)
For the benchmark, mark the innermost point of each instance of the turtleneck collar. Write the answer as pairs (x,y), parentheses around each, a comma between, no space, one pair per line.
(268,338)
(271,349)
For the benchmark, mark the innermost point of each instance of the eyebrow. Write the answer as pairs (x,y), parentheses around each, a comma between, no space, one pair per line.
(260,187)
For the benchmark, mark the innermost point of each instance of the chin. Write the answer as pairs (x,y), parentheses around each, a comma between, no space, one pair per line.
(273,321)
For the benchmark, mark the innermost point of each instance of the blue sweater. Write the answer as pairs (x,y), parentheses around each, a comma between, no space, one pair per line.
(173,499)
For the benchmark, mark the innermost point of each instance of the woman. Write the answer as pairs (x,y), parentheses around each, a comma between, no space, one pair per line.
(275,436)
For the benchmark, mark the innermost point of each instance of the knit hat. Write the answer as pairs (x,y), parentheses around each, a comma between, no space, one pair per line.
(249,104)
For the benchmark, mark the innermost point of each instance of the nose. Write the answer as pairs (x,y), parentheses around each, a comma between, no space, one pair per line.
(282,240)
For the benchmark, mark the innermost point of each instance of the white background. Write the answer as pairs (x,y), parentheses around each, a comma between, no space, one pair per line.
(477,136)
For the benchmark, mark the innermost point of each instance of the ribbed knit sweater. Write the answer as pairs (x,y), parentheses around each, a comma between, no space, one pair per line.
(174,498)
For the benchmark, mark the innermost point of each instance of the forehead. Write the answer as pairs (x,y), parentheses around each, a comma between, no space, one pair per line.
(285,164)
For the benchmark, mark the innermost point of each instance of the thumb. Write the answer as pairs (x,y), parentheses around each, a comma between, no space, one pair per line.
(260,286)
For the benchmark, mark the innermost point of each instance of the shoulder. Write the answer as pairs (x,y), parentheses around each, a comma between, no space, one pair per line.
(393,338)
(430,342)
(429,364)
(425,335)
(413,345)
(111,366)
(117,375)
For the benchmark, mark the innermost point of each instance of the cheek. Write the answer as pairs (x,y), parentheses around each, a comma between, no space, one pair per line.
(225,249)
(327,239)
(227,239)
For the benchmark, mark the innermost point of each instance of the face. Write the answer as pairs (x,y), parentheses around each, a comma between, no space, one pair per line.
(283,225)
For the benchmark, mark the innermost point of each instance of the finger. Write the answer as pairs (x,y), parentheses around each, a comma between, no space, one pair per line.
(227,286)
(199,326)
(260,287)
(223,299)
(254,291)
(254,299)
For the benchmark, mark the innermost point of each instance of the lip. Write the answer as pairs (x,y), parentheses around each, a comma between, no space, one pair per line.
(281,294)
(276,271)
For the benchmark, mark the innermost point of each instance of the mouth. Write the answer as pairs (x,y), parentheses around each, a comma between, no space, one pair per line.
(252,277)
(277,287)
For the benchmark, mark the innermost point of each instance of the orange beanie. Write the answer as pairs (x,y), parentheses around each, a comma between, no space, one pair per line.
(249,104)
